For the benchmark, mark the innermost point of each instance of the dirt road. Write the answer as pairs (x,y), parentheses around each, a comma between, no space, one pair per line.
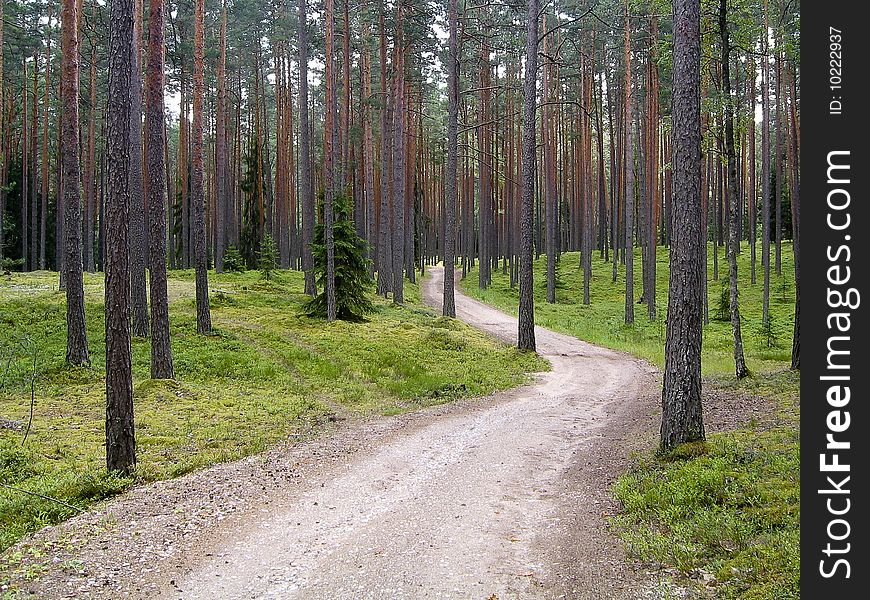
(462,508)
(495,498)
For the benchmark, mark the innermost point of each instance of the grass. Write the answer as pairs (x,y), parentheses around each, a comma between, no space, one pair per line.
(265,374)
(725,513)
(602,322)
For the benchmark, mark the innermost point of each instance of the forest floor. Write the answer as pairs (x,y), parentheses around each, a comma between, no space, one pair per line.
(501,497)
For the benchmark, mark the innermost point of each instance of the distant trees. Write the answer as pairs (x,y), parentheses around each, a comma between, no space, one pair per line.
(432,175)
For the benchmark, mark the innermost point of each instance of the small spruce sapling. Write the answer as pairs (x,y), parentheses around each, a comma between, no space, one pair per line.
(267,261)
(352,279)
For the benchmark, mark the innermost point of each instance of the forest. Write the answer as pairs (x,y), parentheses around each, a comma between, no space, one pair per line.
(236,228)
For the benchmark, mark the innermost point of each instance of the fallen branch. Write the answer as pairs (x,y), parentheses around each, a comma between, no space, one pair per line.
(43,496)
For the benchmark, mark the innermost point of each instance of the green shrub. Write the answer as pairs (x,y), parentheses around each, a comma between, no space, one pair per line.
(233,261)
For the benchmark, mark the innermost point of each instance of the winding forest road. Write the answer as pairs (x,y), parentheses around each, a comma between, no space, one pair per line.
(488,498)
(468,506)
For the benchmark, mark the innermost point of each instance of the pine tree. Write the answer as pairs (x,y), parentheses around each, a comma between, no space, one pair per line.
(161,346)
(352,280)
(120,433)
(682,417)
(267,258)
(77,341)
(526,321)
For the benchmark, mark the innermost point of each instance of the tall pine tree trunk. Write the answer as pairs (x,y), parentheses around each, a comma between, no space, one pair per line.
(450,192)
(398,163)
(138,289)
(329,151)
(526,321)
(120,431)
(629,177)
(203,312)
(306,189)
(43,212)
(682,417)
(221,178)
(765,175)
(161,348)
(76,340)
(733,237)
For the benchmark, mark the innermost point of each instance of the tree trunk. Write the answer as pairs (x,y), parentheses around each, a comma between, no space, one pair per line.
(398,162)
(385,255)
(221,179)
(449,303)
(161,348)
(25,159)
(76,339)
(794,151)
(753,191)
(682,418)
(203,312)
(329,151)
(779,174)
(549,155)
(138,289)
(733,237)
(526,321)
(629,177)
(120,429)
(765,174)
(43,213)
(34,170)
(305,187)
(90,178)
(369,160)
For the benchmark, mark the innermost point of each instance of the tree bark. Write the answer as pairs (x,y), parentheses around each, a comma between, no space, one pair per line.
(398,162)
(526,321)
(138,289)
(120,428)
(161,347)
(76,340)
(450,192)
(90,176)
(203,312)
(43,213)
(682,418)
(221,179)
(329,151)
(733,237)
(765,173)
(629,177)
(305,186)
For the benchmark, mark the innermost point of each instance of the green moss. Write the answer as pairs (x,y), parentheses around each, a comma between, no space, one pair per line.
(266,373)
